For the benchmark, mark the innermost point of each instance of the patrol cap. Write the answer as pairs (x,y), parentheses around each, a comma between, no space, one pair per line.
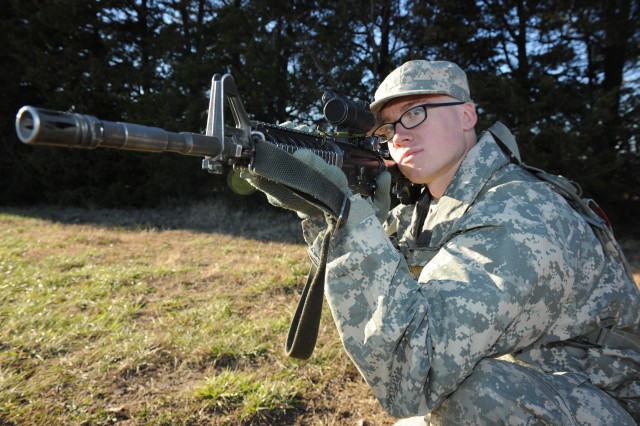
(421,77)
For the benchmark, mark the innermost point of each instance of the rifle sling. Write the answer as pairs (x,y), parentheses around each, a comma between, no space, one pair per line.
(276,164)
(303,331)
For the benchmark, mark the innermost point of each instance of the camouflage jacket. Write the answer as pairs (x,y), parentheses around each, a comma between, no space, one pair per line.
(500,265)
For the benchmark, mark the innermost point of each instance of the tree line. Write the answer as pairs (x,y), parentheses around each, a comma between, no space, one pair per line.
(562,74)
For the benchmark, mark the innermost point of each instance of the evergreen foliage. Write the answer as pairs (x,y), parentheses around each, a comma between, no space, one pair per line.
(562,74)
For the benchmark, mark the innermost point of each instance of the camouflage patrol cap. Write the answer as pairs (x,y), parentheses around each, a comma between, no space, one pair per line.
(422,77)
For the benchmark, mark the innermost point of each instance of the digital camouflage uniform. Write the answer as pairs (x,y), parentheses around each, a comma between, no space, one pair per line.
(500,266)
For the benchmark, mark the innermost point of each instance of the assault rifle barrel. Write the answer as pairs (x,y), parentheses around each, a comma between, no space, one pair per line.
(37,126)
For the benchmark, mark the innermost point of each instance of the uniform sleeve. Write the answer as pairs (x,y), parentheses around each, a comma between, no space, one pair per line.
(486,292)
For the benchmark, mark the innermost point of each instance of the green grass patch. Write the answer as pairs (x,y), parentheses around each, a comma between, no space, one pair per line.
(250,396)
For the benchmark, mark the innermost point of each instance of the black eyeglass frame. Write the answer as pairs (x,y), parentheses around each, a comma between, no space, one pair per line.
(424,106)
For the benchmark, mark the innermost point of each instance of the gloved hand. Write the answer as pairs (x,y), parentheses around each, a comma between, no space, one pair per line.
(333,173)
(281,196)
(382,197)
(360,208)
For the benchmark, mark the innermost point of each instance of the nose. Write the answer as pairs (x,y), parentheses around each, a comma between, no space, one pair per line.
(402,135)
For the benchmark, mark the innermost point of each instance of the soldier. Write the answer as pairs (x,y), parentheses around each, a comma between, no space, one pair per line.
(490,300)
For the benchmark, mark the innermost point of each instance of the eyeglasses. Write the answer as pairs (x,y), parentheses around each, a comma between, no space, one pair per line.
(409,119)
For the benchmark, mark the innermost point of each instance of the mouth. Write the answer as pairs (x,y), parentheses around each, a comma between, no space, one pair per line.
(408,156)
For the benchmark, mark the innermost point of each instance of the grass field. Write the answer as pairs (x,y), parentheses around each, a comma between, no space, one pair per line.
(172,317)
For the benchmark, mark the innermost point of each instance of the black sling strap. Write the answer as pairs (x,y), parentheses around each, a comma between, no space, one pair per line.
(303,331)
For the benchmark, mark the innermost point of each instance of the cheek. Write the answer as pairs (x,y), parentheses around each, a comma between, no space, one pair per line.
(394,153)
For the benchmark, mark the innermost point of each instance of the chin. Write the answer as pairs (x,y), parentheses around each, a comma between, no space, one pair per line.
(413,175)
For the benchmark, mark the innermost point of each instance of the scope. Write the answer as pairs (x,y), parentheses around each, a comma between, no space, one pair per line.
(347,115)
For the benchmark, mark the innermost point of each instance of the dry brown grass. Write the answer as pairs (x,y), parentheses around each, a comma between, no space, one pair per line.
(176,318)
(108,318)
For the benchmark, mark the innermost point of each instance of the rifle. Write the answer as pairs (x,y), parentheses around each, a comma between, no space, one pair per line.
(359,156)
(260,147)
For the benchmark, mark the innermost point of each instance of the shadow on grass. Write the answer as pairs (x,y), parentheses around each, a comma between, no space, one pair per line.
(260,221)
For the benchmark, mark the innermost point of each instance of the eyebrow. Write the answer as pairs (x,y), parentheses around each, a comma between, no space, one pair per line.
(406,107)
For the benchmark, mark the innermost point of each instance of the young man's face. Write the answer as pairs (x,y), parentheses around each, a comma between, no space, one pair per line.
(431,152)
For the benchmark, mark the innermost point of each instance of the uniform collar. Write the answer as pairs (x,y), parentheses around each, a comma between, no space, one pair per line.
(480,163)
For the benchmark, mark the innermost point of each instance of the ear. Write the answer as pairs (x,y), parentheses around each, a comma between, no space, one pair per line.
(469,117)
